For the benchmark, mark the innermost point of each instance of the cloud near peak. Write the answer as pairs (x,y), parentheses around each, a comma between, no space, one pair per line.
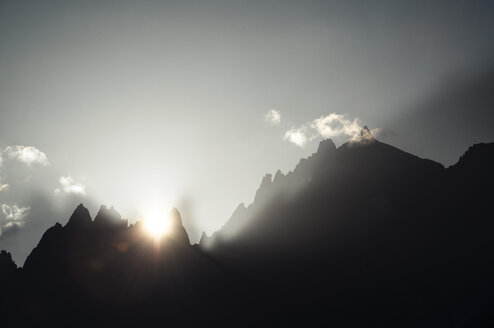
(335,125)
(27,154)
(329,126)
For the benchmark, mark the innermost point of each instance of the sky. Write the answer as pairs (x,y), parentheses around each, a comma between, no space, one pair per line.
(144,105)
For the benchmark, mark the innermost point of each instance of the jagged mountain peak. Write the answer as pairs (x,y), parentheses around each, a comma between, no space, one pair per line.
(6,262)
(278,176)
(178,232)
(267,179)
(365,131)
(176,218)
(326,146)
(204,238)
(478,155)
(80,217)
(364,137)
(331,171)
(266,183)
(108,216)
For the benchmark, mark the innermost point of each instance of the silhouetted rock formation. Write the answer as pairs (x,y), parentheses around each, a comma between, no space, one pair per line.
(109,218)
(10,289)
(326,147)
(329,186)
(177,229)
(204,238)
(360,235)
(90,270)
(80,218)
(7,265)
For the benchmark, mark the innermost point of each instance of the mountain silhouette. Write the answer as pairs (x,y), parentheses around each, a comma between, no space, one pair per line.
(370,230)
(360,235)
(363,178)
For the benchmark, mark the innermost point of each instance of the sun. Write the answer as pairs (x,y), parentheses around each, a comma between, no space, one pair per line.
(157,224)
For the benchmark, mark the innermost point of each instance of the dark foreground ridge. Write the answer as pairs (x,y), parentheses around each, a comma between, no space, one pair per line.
(360,235)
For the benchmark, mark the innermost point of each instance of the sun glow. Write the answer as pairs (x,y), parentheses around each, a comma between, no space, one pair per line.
(157,224)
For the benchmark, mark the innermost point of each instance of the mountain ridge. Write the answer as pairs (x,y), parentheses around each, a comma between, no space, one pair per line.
(309,168)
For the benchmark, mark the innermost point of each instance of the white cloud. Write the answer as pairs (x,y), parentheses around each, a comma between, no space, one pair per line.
(4,187)
(329,126)
(273,116)
(14,212)
(27,154)
(297,136)
(335,125)
(69,185)
(14,216)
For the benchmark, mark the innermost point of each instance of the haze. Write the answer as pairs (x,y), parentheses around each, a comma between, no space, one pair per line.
(152,104)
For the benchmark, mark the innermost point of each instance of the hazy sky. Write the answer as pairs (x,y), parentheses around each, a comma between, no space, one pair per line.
(146,104)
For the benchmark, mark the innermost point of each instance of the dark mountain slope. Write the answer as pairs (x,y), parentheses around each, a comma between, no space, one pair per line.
(363,178)
(369,229)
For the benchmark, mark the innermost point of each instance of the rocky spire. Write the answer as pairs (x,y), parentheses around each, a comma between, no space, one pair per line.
(326,146)
(364,137)
(266,183)
(108,217)
(7,265)
(204,238)
(278,176)
(365,132)
(80,218)
(177,229)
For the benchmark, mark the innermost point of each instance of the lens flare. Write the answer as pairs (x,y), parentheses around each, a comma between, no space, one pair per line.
(157,224)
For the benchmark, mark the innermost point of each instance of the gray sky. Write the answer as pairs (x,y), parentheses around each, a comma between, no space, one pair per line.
(147,104)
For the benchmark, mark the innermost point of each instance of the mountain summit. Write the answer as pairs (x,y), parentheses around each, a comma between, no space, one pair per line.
(80,218)
(177,230)
(336,182)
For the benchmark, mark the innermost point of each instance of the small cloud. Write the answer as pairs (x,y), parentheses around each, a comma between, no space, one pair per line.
(273,116)
(4,187)
(14,213)
(27,154)
(297,136)
(69,185)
